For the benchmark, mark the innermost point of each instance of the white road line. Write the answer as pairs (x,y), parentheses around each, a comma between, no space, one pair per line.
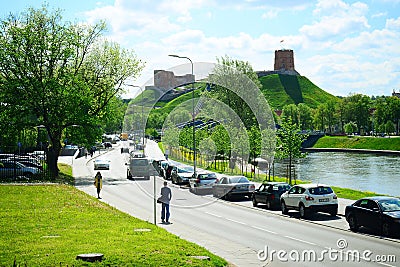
(265,230)
(212,214)
(385,264)
(300,240)
(236,221)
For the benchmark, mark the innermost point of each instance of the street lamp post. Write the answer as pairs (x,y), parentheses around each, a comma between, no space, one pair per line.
(142,119)
(193,115)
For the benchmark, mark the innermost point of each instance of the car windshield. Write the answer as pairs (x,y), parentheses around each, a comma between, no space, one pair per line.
(207,176)
(237,180)
(185,169)
(320,190)
(285,187)
(390,205)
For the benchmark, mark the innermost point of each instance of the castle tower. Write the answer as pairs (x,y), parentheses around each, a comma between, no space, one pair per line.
(284,60)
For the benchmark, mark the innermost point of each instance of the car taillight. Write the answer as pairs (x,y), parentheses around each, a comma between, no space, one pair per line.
(309,198)
(197,180)
(334,196)
(252,187)
(272,197)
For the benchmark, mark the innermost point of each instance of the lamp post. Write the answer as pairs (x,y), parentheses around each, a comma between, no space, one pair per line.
(193,115)
(142,119)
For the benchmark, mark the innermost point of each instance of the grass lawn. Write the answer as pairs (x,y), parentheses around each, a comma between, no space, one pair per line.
(359,142)
(49,225)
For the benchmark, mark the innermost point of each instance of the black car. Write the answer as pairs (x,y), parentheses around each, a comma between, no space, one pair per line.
(379,213)
(269,193)
(181,174)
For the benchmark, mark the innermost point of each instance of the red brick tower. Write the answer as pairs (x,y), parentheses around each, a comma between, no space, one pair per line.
(284,60)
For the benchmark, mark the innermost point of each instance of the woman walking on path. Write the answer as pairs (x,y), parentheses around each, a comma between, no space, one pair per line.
(98,183)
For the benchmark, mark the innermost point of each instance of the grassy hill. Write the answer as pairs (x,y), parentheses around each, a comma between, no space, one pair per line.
(281,90)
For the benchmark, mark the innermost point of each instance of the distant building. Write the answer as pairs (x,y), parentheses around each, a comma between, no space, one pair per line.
(284,64)
(396,94)
(284,60)
(167,80)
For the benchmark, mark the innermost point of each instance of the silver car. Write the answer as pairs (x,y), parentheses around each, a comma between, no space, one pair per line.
(11,169)
(233,186)
(202,182)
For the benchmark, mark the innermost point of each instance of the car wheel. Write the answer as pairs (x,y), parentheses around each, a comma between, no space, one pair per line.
(255,204)
(352,223)
(386,229)
(28,175)
(302,211)
(284,208)
(333,212)
(269,205)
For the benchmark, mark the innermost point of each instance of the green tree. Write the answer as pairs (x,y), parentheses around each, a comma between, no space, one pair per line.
(320,117)
(357,109)
(290,112)
(350,127)
(227,66)
(58,74)
(305,116)
(289,144)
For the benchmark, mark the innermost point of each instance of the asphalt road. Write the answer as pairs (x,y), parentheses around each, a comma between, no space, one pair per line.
(243,235)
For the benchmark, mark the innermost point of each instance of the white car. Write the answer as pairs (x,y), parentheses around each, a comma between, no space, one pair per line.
(102,164)
(307,198)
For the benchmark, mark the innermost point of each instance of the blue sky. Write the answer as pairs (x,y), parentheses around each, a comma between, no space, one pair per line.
(342,46)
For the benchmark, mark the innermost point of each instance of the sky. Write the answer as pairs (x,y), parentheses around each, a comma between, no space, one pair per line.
(344,47)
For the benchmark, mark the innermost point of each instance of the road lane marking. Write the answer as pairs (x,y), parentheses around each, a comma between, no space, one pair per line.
(212,214)
(219,216)
(265,230)
(385,264)
(242,223)
(300,240)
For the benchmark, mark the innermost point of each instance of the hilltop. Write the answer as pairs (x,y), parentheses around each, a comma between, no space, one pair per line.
(281,90)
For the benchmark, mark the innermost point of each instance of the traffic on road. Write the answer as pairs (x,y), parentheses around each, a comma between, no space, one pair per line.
(247,222)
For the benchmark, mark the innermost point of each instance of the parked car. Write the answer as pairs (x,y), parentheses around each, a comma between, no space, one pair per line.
(203,181)
(181,174)
(31,164)
(101,164)
(163,168)
(31,159)
(269,193)
(308,198)
(14,169)
(233,186)
(107,145)
(379,213)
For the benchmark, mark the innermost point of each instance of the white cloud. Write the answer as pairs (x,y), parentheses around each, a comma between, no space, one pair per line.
(336,18)
(393,24)
(270,14)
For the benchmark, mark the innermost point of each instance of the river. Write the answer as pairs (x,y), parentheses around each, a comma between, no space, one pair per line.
(365,172)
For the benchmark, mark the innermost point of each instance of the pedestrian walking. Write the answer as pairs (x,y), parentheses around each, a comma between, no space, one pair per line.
(98,183)
(165,199)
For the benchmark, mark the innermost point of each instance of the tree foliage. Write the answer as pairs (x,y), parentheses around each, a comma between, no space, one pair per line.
(289,143)
(58,74)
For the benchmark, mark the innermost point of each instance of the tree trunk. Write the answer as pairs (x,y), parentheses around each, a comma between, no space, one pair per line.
(52,155)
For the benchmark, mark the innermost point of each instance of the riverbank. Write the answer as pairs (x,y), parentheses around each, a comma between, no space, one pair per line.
(359,143)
